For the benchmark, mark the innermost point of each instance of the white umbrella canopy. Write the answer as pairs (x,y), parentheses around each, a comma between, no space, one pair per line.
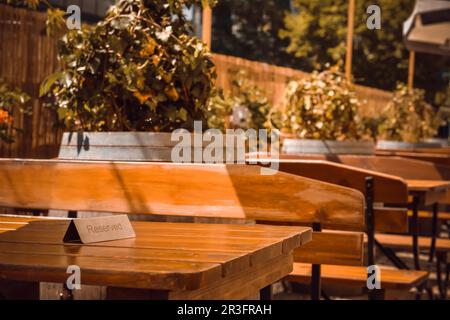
(428,28)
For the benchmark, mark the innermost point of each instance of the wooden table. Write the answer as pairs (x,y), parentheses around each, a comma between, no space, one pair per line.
(435,157)
(425,193)
(164,261)
(428,191)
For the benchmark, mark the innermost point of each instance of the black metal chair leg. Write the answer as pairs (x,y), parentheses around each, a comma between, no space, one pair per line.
(434,226)
(315,282)
(266,293)
(415,232)
(66,293)
(325,296)
(315,272)
(392,256)
(439,280)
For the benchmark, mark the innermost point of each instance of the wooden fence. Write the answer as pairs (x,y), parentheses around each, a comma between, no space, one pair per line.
(273,80)
(27,56)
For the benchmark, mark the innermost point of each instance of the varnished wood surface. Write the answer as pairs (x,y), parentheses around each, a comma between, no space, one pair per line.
(407,169)
(387,188)
(395,166)
(231,191)
(333,247)
(402,242)
(436,158)
(163,256)
(427,185)
(357,276)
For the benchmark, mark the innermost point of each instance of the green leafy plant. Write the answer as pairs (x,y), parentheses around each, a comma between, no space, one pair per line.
(244,94)
(219,111)
(137,70)
(323,106)
(10,100)
(408,117)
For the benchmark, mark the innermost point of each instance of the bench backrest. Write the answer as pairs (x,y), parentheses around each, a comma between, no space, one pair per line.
(396,166)
(217,191)
(388,189)
(225,191)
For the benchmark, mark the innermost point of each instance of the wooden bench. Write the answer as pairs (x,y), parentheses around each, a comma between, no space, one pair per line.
(386,189)
(216,191)
(427,184)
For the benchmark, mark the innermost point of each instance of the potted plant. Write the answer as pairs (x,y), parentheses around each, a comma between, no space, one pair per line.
(320,116)
(408,121)
(130,80)
(246,106)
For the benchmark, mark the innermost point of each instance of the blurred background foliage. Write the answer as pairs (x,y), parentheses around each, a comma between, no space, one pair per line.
(307,34)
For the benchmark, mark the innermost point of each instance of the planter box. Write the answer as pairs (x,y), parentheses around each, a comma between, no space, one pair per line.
(401,145)
(304,146)
(125,146)
(443,142)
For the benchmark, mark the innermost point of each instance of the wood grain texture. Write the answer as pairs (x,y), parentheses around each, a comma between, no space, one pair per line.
(232,191)
(407,169)
(387,188)
(163,256)
(436,158)
(333,247)
(357,276)
(405,242)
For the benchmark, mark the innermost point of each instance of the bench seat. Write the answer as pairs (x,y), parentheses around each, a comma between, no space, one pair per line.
(405,241)
(357,276)
(428,215)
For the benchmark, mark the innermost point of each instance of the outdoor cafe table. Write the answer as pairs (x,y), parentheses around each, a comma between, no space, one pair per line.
(425,193)
(434,157)
(164,261)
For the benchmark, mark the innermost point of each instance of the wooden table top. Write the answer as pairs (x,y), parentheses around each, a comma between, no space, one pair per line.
(163,256)
(427,185)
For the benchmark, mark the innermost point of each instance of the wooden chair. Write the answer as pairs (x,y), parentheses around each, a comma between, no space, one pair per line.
(194,190)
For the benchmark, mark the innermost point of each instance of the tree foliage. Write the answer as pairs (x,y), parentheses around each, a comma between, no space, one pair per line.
(138,69)
(249,29)
(317,31)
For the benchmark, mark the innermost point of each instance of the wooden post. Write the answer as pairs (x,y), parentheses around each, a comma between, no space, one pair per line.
(412,61)
(207,26)
(350,27)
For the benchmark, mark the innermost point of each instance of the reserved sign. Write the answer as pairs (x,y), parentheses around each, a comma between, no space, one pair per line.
(99,229)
